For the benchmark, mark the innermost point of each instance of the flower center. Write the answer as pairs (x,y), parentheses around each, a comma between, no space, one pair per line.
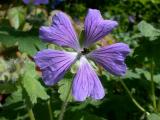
(85,51)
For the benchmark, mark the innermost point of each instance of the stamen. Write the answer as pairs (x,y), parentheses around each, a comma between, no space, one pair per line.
(85,51)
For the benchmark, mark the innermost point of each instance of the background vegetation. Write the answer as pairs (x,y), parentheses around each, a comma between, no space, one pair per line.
(136,96)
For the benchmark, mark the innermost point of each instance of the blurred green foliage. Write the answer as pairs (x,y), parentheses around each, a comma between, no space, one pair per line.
(21,86)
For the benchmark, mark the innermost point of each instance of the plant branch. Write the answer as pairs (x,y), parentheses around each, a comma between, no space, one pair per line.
(64,105)
(152,86)
(50,109)
(30,114)
(132,98)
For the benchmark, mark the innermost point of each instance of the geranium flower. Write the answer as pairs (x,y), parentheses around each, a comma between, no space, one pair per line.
(54,64)
(36,2)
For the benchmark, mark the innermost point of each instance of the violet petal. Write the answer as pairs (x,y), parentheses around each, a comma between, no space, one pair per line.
(112,57)
(54,64)
(96,27)
(61,32)
(36,2)
(86,83)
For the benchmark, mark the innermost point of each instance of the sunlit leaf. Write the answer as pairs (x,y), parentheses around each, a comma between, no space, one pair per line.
(31,85)
(64,88)
(155,1)
(153,116)
(16,16)
(147,30)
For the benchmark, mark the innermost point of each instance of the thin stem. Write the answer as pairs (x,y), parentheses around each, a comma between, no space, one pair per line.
(132,98)
(30,114)
(152,86)
(50,109)
(64,105)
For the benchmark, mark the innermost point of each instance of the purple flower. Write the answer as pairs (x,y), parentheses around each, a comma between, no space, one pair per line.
(36,2)
(131,19)
(54,63)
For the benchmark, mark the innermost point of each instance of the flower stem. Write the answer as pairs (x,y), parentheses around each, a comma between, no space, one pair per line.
(30,114)
(152,86)
(50,109)
(132,98)
(64,105)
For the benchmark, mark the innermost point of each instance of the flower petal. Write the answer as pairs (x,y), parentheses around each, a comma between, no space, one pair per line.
(54,64)
(86,83)
(61,32)
(26,1)
(95,27)
(112,58)
(36,2)
(98,90)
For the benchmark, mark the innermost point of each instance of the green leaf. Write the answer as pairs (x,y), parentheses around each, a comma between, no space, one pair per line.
(3,118)
(147,1)
(14,97)
(147,30)
(155,1)
(157,78)
(16,16)
(7,87)
(83,105)
(27,44)
(91,117)
(131,74)
(153,116)
(64,89)
(31,85)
